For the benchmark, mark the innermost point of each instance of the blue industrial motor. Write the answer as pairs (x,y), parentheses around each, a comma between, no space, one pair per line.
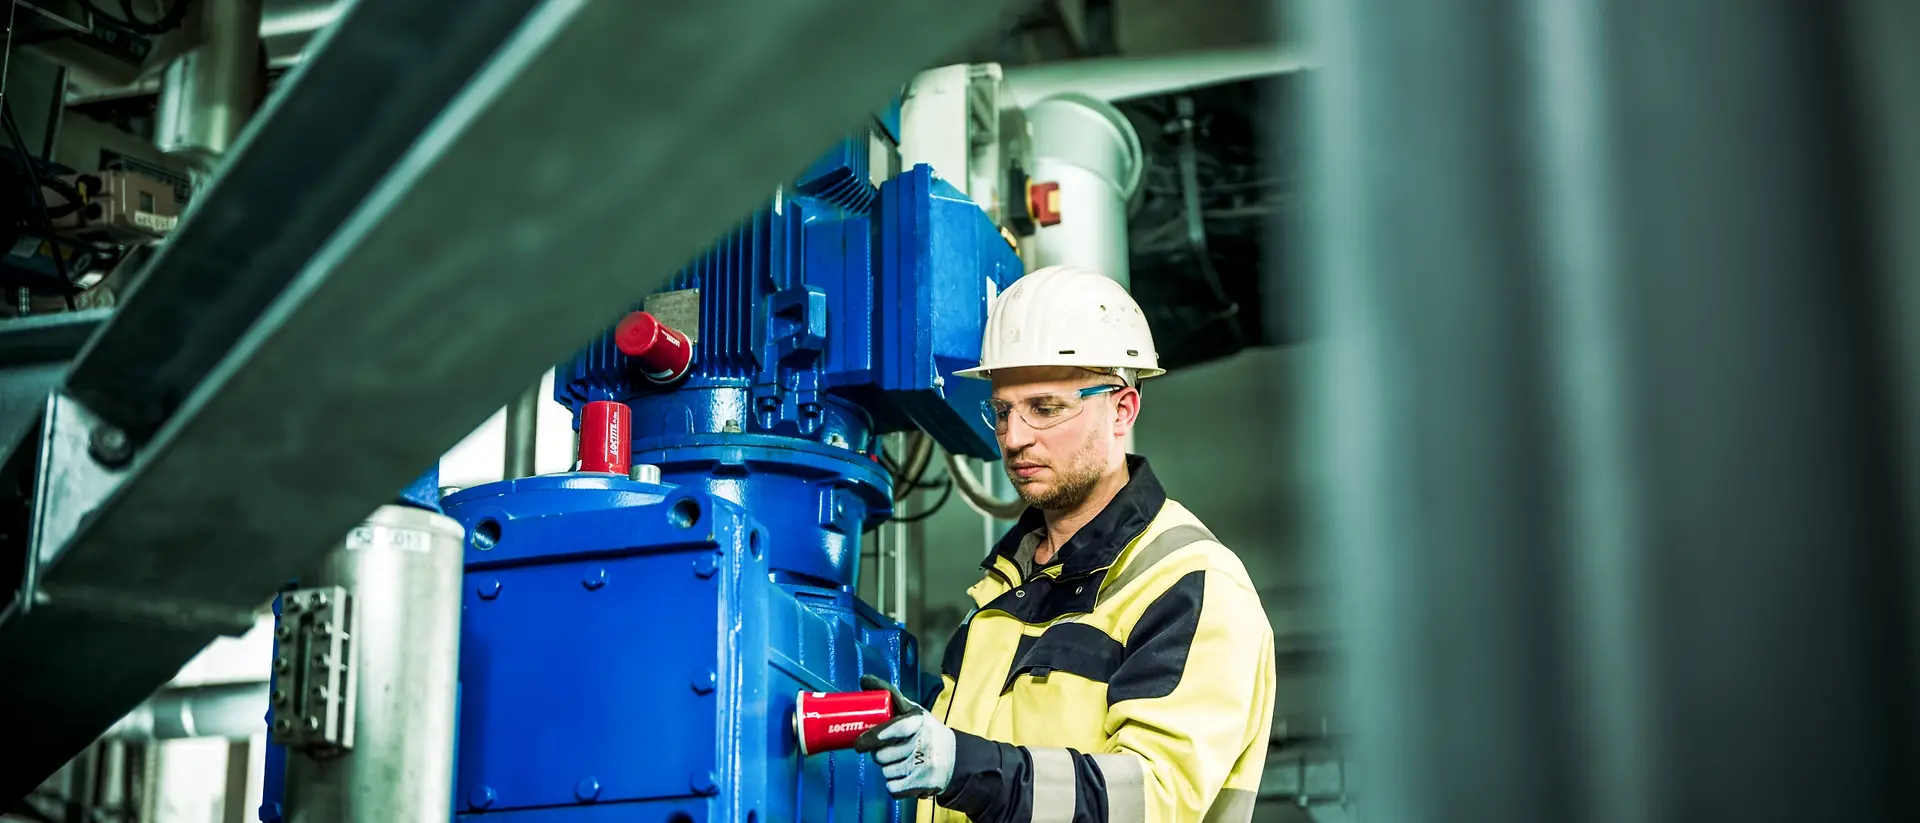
(632,643)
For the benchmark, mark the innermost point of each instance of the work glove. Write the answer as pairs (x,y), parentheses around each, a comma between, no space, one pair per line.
(914,751)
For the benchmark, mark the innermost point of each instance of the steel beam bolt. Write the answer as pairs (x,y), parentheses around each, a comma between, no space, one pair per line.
(109,446)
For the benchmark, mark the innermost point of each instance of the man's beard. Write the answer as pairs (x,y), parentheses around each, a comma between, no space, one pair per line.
(1073,482)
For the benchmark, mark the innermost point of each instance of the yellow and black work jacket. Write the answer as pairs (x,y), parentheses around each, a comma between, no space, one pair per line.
(1130,681)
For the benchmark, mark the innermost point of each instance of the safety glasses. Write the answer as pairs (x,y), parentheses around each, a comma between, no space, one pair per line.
(1041,411)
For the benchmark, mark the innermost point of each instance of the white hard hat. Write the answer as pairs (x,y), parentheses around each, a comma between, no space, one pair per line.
(1066,316)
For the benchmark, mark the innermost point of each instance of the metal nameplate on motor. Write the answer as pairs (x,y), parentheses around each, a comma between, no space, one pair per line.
(678,310)
(313,665)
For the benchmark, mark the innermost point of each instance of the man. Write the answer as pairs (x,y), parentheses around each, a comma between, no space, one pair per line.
(1118,666)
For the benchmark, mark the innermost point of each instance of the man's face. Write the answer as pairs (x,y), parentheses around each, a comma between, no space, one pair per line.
(1056,464)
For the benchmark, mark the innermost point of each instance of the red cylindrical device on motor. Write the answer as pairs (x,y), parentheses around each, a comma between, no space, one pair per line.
(606,437)
(663,353)
(827,722)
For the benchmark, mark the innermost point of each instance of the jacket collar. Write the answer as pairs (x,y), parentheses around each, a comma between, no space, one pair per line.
(1100,542)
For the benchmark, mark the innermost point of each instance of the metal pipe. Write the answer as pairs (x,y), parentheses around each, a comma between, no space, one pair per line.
(979,494)
(229,710)
(288,27)
(1112,79)
(402,570)
(209,92)
(523,417)
(1091,150)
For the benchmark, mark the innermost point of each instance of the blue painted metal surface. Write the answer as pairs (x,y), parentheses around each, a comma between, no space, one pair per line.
(423,492)
(841,177)
(627,654)
(632,650)
(906,290)
(273,781)
(940,262)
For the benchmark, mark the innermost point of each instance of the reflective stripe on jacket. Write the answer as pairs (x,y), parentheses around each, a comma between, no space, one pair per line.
(1131,681)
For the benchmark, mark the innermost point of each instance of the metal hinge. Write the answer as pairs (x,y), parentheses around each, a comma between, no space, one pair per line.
(313,667)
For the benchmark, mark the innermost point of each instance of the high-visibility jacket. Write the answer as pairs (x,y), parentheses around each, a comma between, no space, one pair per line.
(1131,680)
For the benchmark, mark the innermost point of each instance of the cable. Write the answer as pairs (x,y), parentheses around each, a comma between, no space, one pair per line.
(1196,226)
(907,476)
(919,458)
(946,491)
(39,197)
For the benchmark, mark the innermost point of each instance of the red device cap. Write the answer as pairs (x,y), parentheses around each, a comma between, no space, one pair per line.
(825,722)
(663,353)
(606,437)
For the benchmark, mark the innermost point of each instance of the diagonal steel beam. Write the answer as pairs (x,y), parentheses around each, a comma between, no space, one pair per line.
(599,148)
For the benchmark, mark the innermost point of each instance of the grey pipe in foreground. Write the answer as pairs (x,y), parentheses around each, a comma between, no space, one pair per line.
(1112,79)
(1091,150)
(523,418)
(234,711)
(1607,406)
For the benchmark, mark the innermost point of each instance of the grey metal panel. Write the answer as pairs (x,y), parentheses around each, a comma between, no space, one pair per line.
(1606,417)
(527,217)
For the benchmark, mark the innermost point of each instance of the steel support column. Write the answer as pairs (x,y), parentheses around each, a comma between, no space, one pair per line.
(1609,417)
(331,318)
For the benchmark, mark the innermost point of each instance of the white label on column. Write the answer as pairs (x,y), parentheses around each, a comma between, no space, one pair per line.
(387,537)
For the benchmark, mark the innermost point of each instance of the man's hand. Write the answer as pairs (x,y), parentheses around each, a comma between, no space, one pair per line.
(914,751)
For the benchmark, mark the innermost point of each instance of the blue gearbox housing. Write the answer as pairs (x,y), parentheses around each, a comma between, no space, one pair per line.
(623,647)
(630,649)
